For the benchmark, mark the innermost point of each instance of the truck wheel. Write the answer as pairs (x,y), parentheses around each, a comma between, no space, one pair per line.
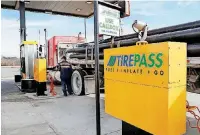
(77,82)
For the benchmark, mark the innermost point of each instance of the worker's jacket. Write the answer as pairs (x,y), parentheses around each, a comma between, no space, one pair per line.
(65,70)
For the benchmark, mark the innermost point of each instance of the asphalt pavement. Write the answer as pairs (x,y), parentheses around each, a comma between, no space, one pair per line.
(73,115)
(23,114)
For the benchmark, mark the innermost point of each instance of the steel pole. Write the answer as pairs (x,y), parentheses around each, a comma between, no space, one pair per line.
(85,28)
(22,32)
(39,37)
(97,91)
(22,21)
(38,47)
(46,46)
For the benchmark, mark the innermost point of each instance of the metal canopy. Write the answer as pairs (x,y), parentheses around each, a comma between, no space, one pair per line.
(69,8)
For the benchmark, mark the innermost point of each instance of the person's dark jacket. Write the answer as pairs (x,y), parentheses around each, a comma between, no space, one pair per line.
(65,70)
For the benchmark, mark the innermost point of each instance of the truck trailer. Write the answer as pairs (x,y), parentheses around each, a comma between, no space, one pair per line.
(82,56)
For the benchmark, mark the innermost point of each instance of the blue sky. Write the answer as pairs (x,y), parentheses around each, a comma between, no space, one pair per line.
(156,13)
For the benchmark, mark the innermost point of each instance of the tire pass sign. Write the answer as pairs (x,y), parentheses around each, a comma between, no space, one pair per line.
(109,21)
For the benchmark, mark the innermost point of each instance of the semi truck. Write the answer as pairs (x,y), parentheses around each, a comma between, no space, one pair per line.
(57,46)
(82,55)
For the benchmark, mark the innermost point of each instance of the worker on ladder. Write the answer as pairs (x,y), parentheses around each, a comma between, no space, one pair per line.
(65,76)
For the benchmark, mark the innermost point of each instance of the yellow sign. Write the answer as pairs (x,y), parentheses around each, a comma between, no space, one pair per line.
(29,42)
(145,85)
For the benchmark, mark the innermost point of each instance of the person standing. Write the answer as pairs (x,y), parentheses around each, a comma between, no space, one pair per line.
(65,76)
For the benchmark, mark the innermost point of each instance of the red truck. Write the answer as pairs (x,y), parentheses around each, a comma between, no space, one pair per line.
(57,46)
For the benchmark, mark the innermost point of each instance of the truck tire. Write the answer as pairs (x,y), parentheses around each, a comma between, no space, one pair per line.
(77,82)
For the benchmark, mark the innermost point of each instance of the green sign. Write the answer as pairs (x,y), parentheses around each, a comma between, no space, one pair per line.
(137,60)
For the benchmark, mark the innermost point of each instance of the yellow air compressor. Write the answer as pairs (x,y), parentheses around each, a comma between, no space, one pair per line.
(145,86)
(28,53)
(33,68)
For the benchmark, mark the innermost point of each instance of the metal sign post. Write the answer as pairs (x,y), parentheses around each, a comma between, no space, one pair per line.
(97,91)
(22,31)
(22,22)
(106,22)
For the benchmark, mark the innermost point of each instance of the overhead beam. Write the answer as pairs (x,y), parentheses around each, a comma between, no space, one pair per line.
(44,11)
(15,6)
(7,6)
(107,4)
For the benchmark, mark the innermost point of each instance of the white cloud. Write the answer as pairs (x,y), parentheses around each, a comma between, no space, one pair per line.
(11,37)
(185,3)
(144,12)
(71,26)
(55,27)
(147,8)
(10,42)
(9,23)
(90,32)
(60,26)
(12,23)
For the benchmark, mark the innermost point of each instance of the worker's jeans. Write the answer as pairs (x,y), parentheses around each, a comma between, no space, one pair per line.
(69,88)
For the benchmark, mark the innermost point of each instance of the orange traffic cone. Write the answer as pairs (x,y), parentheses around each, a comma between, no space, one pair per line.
(52,91)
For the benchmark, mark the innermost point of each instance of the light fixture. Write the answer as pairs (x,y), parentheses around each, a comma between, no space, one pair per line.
(48,11)
(142,29)
(89,2)
(78,9)
(139,25)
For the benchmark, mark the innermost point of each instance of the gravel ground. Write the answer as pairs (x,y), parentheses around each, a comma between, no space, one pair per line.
(11,93)
(8,72)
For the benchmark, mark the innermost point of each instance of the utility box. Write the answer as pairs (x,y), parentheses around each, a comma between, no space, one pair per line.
(89,83)
(40,76)
(145,86)
(40,70)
